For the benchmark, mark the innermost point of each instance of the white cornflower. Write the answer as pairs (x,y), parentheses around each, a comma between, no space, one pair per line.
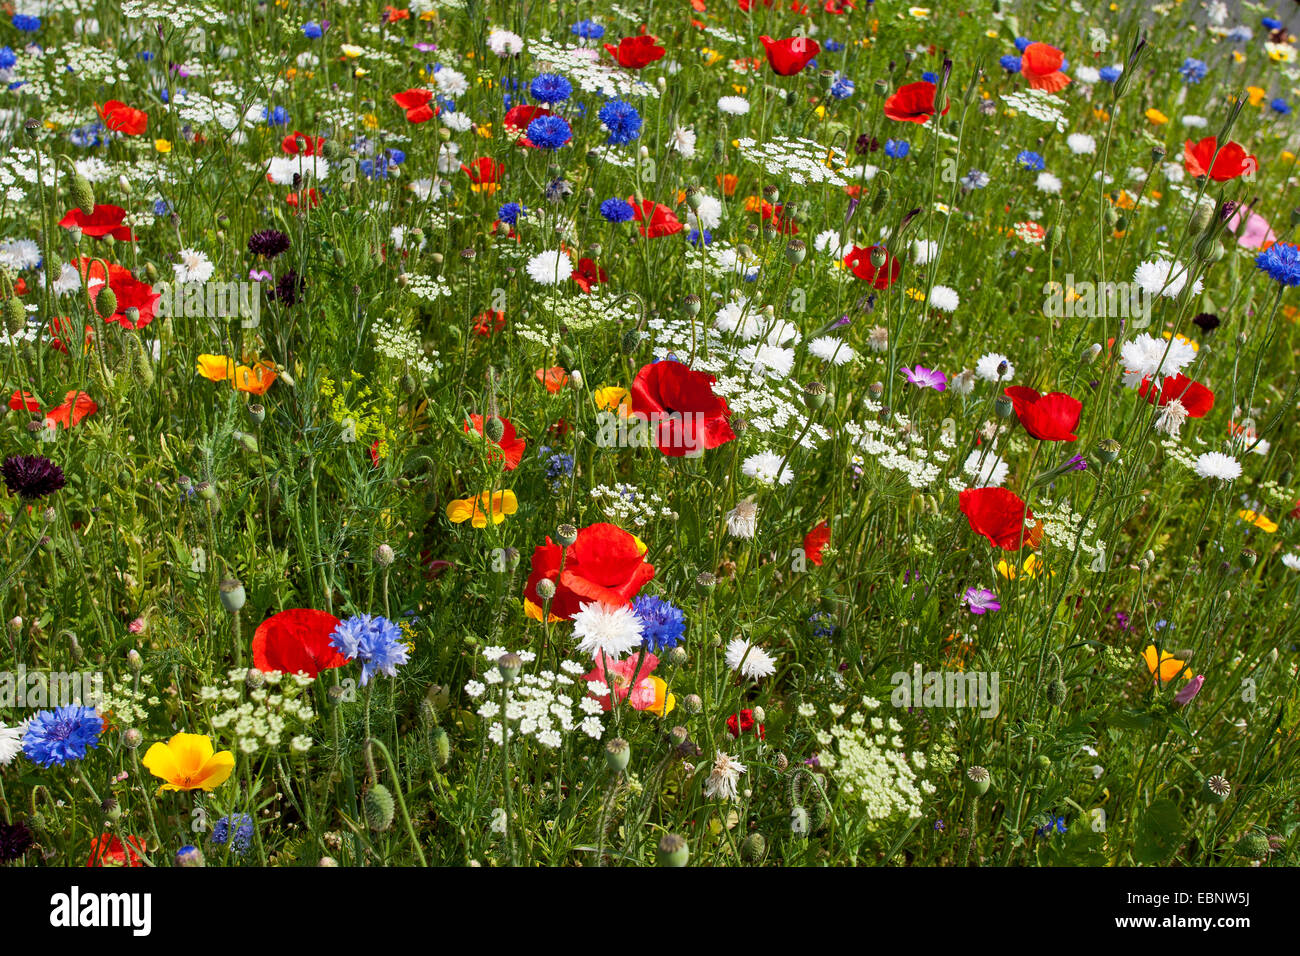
(1163,277)
(1148,357)
(767,468)
(451,83)
(1088,74)
(1048,183)
(1171,418)
(708,216)
(963,383)
(878,338)
(1214,464)
(742,520)
(19,254)
(606,630)
(749,660)
(770,360)
(281,170)
(1291,559)
(986,469)
(830,242)
(987,368)
(1081,144)
(923,250)
(550,268)
(11,742)
(193,267)
(456,122)
(683,141)
(734,105)
(944,298)
(1192,121)
(833,350)
(723,778)
(504,43)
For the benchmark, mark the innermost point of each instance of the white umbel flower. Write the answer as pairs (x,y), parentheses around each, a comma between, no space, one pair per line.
(606,630)
(721,784)
(1215,464)
(550,268)
(749,660)
(767,468)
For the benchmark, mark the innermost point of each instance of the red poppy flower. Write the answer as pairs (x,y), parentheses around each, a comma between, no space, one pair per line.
(658,219)
(374,453)
(1041,66)
(416,103)
(554,378)
(635,52)
(131,292)
(104,220)
(24,400)
(485,323)
(745,725)
(76,406)
(603,564)
(588,274)
(1195,397)
(836,7)
(300,144)
(684,414)
(121,118)
(391,14)
(512,447)
(298,199)
(913,103)
(789,56)
(58,324)
(484,171)
(1231,162)
(296,641)
(859,262)
(107,849)
(814,541)
(1000,516)
(1050,417)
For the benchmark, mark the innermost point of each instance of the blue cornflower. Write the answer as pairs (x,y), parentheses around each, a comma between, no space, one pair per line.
(1030,160)
(823,624)
(930,77)
(1023,43)
(161,208)
(1193,70)
(510,213)
(587,29)
(56,736)
(617,210)
(551,88)
(1281,261)
(1010,63)
(87,136)
(975,179)
(1279,106)
(373,640)
(841,87)
(662,624)
(1271,23)
(27,24)
(559,466)
(276,116)
(1110,74)
(7,57)
(312,31)
(549,132)
(697,238)
(622,120)
(1057,824)
(896,148)
(242,837)
(832,46)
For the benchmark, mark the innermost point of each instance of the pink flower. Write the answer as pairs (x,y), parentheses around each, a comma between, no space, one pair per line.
(1190,690)
(1256,234)
(136,626)
(619,678)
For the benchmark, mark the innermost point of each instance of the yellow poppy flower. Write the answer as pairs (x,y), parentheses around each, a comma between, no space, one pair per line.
(1258,520)
(1033,567)
(162,145)
(216,368)
(1169,666)
(611,397)
(187,762)
(1157,117)
(473,509)
(533,611)
(664,701)
(1256,94)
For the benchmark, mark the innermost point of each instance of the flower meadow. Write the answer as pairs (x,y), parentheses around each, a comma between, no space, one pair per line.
(693,433)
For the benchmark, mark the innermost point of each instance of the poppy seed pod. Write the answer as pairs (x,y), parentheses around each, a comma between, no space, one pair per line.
(977,781)
(257,413)
(795,252)
(1215,789)
(378,804)
(691,305)
(878,257)
(566,534)
(617,754)
(1107,450)
(1003,406)
(673,850)
(232,595)
(508,666)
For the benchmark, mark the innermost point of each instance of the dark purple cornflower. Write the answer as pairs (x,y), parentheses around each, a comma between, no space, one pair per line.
(32,476)
(14,841)
(268,243)
(287,289)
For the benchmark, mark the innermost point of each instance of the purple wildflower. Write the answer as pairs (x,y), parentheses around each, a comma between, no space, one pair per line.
(923,377)
(981,600)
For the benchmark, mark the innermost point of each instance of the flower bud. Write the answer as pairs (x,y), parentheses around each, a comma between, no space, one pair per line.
(494,429)
(753,848)
(189,856)
(546,589)
(378,806)
(508,666)
(232,595)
